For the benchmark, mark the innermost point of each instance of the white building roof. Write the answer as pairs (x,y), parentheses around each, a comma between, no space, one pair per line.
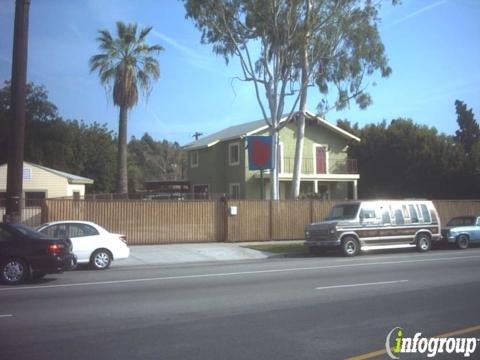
(72,179)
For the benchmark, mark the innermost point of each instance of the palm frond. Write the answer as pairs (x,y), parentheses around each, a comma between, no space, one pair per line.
(144,32)
(121,29)
(104,36)
(155,48)
(126,63)
(107,76)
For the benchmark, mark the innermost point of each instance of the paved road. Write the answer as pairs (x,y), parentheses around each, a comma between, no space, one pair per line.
(302,308)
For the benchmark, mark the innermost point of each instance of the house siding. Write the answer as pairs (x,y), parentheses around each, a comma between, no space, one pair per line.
(214,169)
(41,180)
(314,135)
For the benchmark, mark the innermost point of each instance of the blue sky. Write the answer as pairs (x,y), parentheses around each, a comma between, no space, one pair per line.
(433,47)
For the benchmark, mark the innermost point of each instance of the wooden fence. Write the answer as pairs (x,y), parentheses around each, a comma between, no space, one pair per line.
(147,222)
(163,222)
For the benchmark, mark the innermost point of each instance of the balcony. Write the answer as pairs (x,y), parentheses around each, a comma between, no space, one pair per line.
(337,166)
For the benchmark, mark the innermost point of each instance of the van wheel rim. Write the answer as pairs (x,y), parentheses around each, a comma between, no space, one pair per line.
(13,271)
(462,241)
(350,247)
(423,244)
(101,260)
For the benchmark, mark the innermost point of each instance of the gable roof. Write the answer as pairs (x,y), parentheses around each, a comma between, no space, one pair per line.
(72,179)
(253,127)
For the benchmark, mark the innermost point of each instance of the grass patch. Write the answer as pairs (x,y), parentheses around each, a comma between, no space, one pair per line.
(280,248)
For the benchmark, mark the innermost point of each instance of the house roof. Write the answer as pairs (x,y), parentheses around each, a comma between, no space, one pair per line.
(253,127)
(72,179)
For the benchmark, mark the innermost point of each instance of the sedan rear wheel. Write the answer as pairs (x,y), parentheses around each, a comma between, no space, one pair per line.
(13,272)
(101,259)
(462,242)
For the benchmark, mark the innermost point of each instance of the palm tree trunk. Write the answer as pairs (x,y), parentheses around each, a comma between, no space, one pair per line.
(122,175)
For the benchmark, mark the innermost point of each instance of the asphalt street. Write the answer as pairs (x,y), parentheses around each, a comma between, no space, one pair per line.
(289,308)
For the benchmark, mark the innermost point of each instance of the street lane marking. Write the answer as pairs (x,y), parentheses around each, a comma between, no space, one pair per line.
(378,353)
(253,272)
(5,316)
(364,284)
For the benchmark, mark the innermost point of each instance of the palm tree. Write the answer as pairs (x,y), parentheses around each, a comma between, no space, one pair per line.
(128,63)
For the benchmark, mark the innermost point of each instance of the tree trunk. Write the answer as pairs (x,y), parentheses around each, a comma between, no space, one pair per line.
(274,185)
(122,175)
(297,167)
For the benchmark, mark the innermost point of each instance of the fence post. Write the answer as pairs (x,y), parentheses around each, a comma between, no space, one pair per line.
(270,220)
(311,210)
(224,202)
(43,211)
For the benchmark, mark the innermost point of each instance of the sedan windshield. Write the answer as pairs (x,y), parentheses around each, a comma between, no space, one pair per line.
(462,221)
(343,212)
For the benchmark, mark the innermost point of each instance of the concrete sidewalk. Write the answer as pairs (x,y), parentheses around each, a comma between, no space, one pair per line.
(187,253)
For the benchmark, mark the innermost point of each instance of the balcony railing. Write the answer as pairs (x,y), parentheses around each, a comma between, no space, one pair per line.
(311,166)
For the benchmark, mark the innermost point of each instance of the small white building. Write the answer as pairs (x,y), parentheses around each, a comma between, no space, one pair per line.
(40,182)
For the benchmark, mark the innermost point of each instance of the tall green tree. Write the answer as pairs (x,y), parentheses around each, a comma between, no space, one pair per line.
(285,46)
(404,159)
(339,47)
(125,65)
(469,132)
(154,160)
(260,35)
(72,146)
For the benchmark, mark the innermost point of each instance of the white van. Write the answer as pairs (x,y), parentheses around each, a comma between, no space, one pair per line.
(376,224)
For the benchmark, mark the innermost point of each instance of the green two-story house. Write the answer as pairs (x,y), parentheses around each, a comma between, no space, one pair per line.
(218,163)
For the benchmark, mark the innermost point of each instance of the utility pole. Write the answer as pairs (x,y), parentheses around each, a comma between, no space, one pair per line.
(17,118)
(197,135)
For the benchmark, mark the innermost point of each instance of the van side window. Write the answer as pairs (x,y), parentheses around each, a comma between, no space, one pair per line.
(386,217)
(419,213)
(405,211)
(399,220)
(413,214)
(368,214)
(425,213)
(434,217)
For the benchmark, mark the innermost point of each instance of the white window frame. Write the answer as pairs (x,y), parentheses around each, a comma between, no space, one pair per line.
(327,165)
(230,190)
(230,146)
(192,164)
(27,173)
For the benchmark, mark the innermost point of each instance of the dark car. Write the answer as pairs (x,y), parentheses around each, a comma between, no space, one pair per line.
(27,254)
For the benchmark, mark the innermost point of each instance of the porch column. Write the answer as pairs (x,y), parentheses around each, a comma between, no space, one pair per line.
(355,190)
(315,186)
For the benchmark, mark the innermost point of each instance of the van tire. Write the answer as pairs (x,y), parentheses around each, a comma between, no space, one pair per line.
(350,246)
(462,242)
(424,242)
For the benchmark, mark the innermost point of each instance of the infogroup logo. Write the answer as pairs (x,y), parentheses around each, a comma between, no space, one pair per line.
(397,343)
